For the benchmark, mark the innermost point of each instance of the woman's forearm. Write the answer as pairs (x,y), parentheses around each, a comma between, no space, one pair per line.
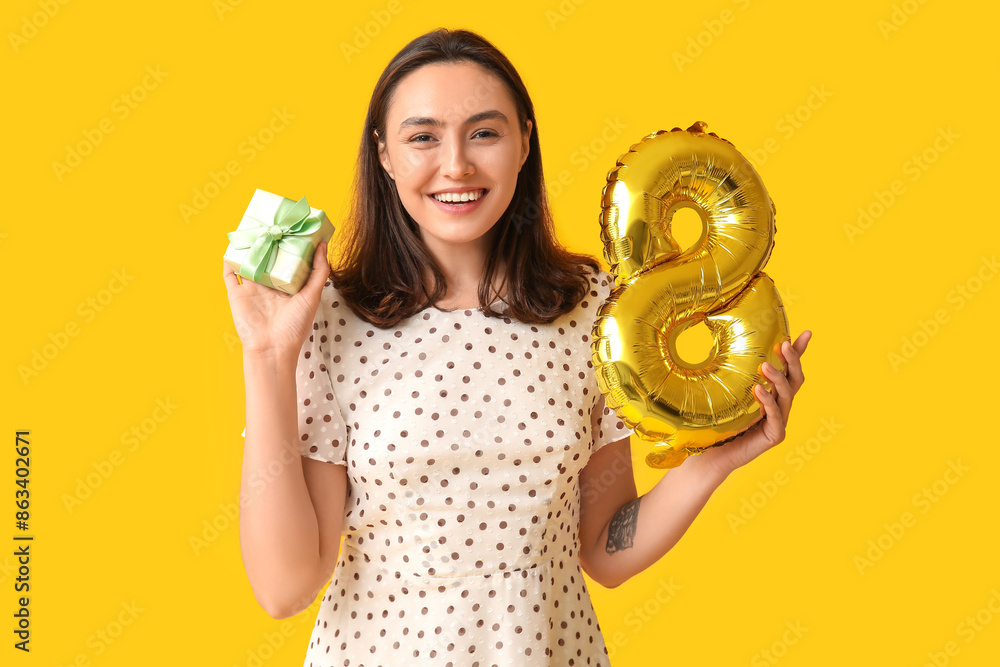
(640,532)
(279,533)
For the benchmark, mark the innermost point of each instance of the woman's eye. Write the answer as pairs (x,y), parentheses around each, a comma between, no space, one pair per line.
(426,138)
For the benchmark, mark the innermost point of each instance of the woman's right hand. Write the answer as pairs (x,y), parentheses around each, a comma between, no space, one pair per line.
(269,321)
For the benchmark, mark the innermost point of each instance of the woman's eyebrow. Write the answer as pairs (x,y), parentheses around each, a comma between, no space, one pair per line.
(492,114)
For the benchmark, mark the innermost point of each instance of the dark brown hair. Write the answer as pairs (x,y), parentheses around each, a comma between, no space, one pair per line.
(382,257)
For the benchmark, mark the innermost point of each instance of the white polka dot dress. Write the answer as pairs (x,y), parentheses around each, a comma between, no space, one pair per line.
(463,437)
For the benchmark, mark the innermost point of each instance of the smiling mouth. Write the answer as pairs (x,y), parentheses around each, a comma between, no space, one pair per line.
(457,199)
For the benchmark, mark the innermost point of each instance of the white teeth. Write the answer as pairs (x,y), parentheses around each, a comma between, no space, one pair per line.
(456,197)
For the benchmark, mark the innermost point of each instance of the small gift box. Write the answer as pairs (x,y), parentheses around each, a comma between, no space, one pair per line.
(275,241)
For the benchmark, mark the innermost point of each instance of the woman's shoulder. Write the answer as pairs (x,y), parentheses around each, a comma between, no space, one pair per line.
(333,306)
(599,286)
(330,298)
(600,277)
(601,282)
(351,326)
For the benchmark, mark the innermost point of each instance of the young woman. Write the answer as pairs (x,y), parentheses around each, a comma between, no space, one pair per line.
(433,401)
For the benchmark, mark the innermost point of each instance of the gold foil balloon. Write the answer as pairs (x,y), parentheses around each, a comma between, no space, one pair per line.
(661,289)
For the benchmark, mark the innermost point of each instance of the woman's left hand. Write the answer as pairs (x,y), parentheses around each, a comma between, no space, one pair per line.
(770,430)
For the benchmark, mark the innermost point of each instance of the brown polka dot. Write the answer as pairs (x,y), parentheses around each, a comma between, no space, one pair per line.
(420,514)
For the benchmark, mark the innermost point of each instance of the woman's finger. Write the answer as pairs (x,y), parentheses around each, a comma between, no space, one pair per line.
(782,387)
(774,424)
(802,341)
(229,276)
(792,356)
(320,272)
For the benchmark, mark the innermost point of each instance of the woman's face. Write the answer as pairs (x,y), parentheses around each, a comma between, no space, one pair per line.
(453,128)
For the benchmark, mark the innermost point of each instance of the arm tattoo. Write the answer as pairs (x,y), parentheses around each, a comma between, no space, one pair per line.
(621,530)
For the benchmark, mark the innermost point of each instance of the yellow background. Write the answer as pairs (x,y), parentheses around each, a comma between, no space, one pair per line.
(834,104)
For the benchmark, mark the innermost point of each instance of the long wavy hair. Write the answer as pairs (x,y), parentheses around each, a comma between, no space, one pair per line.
(380,271)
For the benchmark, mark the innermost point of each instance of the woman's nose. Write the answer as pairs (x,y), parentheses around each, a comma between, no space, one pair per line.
(456,162)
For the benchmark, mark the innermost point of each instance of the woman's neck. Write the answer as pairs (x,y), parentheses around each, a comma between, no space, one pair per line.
(463,269)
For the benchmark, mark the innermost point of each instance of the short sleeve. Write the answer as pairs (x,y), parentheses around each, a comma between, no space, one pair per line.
(607,426)
(323,432)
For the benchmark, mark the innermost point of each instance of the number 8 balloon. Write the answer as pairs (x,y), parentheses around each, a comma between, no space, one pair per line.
(661,289)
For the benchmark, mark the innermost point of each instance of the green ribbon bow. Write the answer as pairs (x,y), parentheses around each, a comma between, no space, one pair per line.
(293,224)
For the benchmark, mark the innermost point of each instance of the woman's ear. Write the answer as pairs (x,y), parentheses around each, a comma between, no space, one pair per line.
(525,145)
(383,155)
